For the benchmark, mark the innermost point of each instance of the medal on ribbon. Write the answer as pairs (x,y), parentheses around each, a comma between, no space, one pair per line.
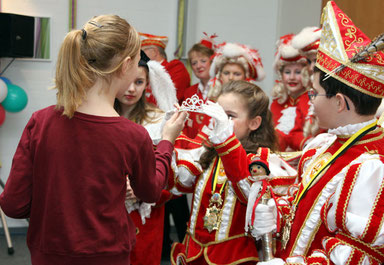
(212,218)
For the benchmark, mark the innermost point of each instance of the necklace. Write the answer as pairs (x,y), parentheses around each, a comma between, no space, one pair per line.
(303,189)
(212,218)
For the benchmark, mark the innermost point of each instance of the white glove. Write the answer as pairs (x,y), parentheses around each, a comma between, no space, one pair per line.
(223,126)
(265,219)
(166,117)
(274,261)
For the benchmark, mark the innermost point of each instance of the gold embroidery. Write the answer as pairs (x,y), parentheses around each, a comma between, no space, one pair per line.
(351,45)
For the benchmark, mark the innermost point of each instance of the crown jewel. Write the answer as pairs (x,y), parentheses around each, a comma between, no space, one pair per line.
(192,104)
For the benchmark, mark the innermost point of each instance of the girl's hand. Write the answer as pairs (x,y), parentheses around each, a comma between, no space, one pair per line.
(221,120)
(174,125)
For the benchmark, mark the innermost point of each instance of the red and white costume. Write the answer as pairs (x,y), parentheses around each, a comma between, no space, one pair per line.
(338,215)
(228,244)
(289,114)
(341,215)
(289,119)
(196,121)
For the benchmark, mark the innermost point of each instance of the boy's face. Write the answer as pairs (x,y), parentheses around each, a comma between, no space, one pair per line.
(325,108)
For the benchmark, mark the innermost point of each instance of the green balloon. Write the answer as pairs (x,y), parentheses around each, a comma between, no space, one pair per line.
(16,99)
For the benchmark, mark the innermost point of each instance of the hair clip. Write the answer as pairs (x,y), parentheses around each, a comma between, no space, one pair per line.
(83,34)
(95,24)
(192,104)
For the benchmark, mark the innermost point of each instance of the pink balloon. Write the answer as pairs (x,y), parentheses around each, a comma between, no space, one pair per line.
(2,114)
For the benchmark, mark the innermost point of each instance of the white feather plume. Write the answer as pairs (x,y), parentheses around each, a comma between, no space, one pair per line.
(162,86)
(305,37)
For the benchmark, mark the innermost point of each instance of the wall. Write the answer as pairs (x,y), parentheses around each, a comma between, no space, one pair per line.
(257,23)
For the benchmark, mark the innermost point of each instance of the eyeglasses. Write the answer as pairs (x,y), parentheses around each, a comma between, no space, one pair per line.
(312,94)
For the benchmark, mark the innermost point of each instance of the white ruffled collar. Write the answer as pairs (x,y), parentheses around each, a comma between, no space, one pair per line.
(203,90)
(350,128)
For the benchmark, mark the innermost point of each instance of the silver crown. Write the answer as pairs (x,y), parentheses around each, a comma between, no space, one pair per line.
(192,104)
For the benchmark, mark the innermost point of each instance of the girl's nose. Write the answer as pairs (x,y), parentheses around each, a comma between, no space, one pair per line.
(131,87)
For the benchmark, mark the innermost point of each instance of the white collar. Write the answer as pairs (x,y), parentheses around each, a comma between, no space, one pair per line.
(203,90)
(350,128)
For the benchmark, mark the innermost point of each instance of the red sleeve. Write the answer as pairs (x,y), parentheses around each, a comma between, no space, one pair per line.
(179,76)
(16,198)
(296,137)
(235,162)
(146,177)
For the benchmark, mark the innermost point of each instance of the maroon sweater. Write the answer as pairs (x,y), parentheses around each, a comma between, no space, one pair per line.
(69,177)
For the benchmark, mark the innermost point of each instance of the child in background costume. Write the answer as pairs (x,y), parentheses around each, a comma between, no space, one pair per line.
(69,171)
(148,217)
(290,100)
(219,179)
(234,61)
(307,42)
(337,214)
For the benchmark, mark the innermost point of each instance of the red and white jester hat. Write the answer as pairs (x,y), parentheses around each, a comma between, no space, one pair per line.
(307,40)
(286,53)
(241,54)
(348,55)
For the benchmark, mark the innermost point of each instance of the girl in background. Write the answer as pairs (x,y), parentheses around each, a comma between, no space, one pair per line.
(219,179)
(148,217)
(232,62)
(69,171)
(290,100)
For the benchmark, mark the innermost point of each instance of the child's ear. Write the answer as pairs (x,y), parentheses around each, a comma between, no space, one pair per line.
(341,102)
(255,123)
(126,64)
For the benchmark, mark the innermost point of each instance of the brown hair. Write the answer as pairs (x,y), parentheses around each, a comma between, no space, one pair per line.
(257,103)
(200,48)
(96,51)
(139,114)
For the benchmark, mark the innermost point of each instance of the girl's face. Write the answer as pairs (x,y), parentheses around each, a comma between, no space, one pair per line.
(291,75)
(134,92)
(200,64)
(235,107)
(232,72)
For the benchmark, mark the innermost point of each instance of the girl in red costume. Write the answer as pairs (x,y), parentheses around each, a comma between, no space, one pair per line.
(69,171)
(290,100)
(148,217)
(232,61)
(219,178)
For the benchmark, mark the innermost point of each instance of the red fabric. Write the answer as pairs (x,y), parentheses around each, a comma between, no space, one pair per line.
(371,141)
(196,121)
(235,247)
(235,251)
(149,238)
(179,76)
(69,177)
(295,137)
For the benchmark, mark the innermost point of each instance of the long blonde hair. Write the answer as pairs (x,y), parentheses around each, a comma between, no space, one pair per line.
(96,51)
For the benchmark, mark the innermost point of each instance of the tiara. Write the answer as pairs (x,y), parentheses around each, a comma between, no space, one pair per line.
(192,104)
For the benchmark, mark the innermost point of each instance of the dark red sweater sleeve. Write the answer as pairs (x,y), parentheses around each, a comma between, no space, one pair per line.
(16,199)
(150,174)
